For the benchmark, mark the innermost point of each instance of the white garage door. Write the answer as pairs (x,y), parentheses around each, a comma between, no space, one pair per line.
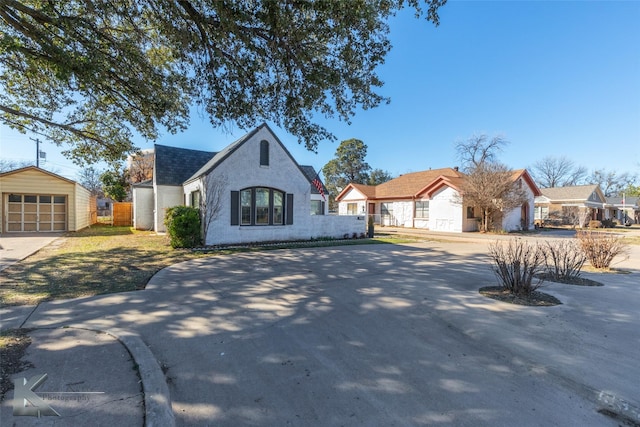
(36,212)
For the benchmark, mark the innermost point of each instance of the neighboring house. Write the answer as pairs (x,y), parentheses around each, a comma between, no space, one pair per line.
(572,205)
(104,205)
(36,200)
(431,199)
(253,190)
(625,210)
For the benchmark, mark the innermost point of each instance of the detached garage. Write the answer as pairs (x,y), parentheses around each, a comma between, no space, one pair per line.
(36,200)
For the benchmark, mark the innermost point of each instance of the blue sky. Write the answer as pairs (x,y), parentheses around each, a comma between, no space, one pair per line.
(553,78)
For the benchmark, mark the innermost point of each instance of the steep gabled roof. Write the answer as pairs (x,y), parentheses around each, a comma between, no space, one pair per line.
(229,149)
(524,174)
(455,182)
(369,191)
(220,156)
(174,165)
(570,193)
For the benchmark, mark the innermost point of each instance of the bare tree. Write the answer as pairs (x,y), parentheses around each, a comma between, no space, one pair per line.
(90,179)
(211,201)
(491,188)
(9,165)
(610,182)
(557,172)
(141,166)
(478,150)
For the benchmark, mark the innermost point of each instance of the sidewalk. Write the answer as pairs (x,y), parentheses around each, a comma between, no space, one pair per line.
(91,380)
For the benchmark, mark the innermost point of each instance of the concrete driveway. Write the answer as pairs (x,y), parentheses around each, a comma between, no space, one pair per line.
(375,335)
(17,246)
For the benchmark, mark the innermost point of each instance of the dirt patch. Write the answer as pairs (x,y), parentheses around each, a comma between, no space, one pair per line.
(578,281)
(13,345)
(537,298)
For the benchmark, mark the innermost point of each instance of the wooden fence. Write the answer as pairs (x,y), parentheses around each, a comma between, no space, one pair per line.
(122,214)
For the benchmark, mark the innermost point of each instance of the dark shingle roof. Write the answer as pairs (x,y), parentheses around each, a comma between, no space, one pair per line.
(173,166)
(311,174)
(218,157)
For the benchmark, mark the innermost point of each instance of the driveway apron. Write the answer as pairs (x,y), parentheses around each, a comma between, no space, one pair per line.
(373,335)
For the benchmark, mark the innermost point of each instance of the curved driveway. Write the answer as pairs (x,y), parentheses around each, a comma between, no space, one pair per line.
(375,335)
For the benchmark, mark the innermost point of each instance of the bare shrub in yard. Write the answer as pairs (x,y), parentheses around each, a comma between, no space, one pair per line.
(563,259)
(601,248)
(517,265)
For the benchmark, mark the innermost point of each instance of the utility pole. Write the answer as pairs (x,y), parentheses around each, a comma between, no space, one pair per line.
(37,151)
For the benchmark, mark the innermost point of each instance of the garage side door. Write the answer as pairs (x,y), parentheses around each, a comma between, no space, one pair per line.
(41,212)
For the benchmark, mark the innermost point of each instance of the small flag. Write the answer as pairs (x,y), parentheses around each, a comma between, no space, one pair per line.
(316,183)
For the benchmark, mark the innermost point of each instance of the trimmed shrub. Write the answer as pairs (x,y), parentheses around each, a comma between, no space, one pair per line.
(563,259)
(183,226)
(517,265)
(601,248)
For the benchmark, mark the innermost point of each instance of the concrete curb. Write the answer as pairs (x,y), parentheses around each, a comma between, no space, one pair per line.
(620,407)
(157,400)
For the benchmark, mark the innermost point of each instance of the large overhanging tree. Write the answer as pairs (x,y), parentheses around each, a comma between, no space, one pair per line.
(91,74)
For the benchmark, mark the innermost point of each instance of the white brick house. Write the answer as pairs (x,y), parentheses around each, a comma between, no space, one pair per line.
(257,190)
(432,200)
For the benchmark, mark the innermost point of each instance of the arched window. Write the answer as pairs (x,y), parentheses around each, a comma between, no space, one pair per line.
(264,153)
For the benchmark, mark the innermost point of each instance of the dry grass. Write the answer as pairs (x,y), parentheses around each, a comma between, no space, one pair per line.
(104,259)
(98,260)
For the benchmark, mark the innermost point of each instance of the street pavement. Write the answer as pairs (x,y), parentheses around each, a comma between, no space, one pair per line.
(357,335)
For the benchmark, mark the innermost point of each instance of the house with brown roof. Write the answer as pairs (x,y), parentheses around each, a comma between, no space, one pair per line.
(571,205)
(431,199)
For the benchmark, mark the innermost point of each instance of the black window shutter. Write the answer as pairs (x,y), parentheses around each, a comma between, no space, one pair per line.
(235,205)
(289,209)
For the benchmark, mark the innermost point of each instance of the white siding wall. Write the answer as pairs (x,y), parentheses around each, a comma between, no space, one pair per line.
(361,207)
(352,196)
(403,213)
(82,206)
(143,208)
(511,220)
(445,211)
(167,196)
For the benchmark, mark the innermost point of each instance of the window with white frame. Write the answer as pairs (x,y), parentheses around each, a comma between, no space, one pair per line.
(352,209)
(422,209)
(317,207)
(386,209)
